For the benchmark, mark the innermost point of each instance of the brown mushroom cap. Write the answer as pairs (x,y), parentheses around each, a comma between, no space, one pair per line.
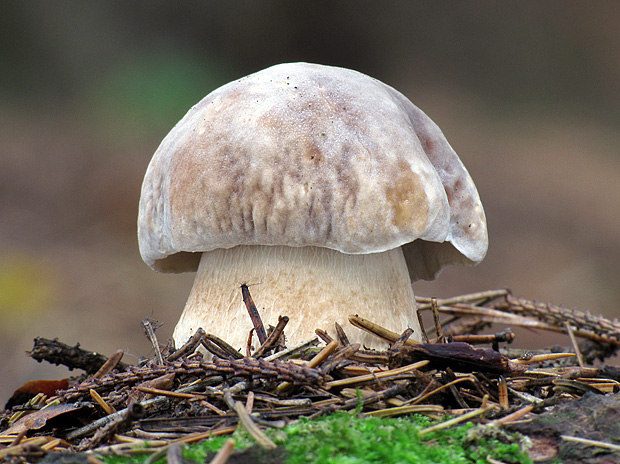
(309,155)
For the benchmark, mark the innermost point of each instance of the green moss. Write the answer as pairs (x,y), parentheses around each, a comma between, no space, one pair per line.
(344,438)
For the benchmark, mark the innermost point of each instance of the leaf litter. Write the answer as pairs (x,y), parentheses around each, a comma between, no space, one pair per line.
(183,396)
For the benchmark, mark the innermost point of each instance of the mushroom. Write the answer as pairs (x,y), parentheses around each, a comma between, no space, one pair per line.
(324,189)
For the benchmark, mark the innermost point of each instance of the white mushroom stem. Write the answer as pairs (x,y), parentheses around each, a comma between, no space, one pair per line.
(314,287)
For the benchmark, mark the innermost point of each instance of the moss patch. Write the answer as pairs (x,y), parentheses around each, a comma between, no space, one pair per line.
(351,439)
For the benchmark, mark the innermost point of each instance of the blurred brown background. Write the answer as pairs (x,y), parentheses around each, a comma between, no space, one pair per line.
(528,93)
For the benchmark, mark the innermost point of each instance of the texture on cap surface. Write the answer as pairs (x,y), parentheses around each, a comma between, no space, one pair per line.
(308,155)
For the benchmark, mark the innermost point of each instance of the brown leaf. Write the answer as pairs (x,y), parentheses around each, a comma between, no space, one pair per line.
(38,419)
(34,387)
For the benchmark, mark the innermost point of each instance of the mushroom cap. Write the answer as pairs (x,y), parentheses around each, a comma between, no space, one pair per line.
(301,154)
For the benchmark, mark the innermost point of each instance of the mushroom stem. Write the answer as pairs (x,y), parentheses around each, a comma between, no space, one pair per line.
(314,287)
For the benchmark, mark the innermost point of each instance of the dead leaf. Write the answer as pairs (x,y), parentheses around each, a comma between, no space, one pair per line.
(38,419)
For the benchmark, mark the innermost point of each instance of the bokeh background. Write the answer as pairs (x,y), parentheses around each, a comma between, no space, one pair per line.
(528,93)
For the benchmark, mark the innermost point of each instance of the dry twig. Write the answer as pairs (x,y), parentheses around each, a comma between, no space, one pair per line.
(254,314)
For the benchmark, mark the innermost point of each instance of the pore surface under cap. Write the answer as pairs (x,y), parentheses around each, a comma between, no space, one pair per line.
(305,155)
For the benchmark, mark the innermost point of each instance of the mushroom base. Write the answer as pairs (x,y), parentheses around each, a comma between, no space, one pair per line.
(314,287)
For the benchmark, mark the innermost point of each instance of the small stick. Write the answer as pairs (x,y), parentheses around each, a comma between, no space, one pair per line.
(342,336)
(503,392)
(398,344)
(456,326)
(189,347)
(254,315)
(51,444)
(377,330)
(518,414)
(540,358)
(421,322)
(171,451)
(249,403)
(351,403)
(323,354)
(120,423)
(574,385)
(448,376)
(425,303)
(430,391)
(101,402)
(375,375)
(408,409)
(377,357)
(224,452)
(228,350)
(505,336)
(20,436)
(339,357)
(586,441)
(573,340)
(280,354)
(212,407)
(125,448)
(174,455)
(324,336)
(99,423)
(110,364)
(456,420)
(248,343)
(253,429)
(283,402)
(160,392)
(213,348)
(435,309)
(198,436)
(273,337)
(150,333)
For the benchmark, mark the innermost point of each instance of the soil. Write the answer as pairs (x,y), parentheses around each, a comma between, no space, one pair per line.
(593,417)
